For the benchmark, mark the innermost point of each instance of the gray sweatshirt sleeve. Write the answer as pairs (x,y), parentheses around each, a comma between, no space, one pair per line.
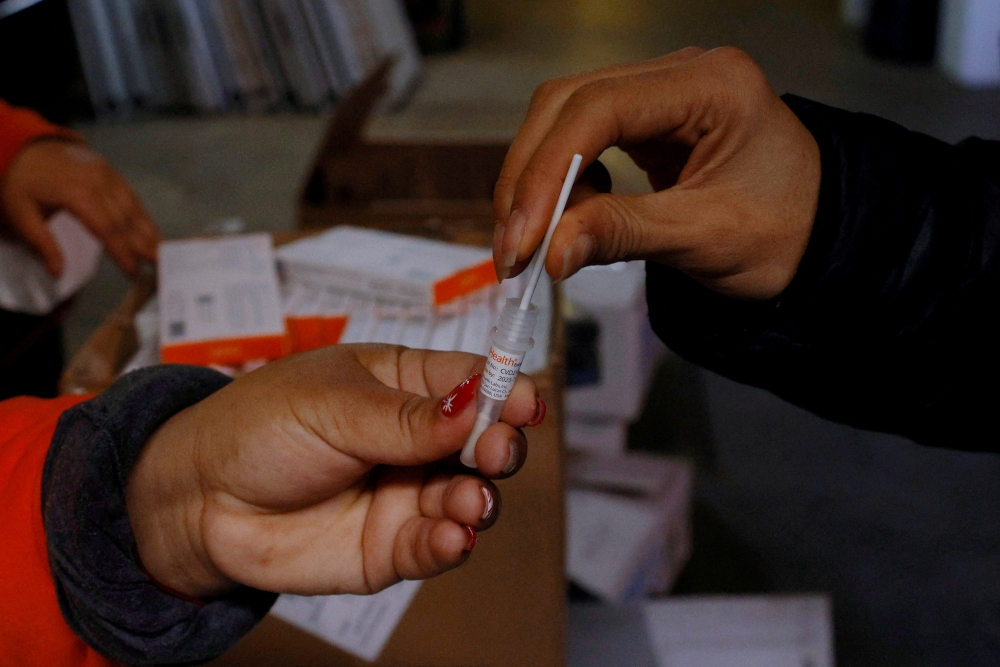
(104,595)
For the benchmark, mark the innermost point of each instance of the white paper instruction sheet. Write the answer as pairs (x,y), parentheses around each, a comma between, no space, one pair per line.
(358,624)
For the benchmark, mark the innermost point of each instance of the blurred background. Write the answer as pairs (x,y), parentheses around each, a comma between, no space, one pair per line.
(904,539)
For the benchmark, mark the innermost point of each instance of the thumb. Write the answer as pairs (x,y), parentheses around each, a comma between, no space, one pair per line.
(603,229)
(28,223)
(404,429)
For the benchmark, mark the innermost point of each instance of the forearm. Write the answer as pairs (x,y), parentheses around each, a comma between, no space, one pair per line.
(888,323)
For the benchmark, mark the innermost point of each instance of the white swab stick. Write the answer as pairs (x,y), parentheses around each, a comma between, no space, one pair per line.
(537,264)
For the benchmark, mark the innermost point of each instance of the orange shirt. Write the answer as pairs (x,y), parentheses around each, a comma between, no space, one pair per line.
(20,126)
(32,630)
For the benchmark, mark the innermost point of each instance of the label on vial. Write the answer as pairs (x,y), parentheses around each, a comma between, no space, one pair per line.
(501,371)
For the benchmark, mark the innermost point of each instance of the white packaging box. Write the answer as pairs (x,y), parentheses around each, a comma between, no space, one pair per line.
(26,286)
(388,267)
(741,631)
(969,42)
(628,522)
(607,437)
(614,297)
(313,318)
(219,301)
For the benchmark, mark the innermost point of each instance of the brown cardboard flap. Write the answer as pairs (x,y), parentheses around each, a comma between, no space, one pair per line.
(354,180)
(99,360)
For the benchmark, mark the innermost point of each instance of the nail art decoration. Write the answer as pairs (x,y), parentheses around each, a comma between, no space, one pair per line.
(472,538)
(488,512)
(453,403)
(513,459)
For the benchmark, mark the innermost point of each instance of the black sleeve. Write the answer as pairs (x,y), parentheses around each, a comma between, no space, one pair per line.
(104,595)
(891,321)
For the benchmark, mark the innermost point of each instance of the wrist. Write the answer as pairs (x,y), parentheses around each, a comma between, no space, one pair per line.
(164,501)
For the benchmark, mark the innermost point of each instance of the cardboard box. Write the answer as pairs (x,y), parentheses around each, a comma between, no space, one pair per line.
(969,42)
(435,189)
(507,605)
(314,318)
(612,358)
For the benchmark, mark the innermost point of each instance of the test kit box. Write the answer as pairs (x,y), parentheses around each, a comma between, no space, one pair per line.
(389,267)
(314,318)
(628,523)
(219,301)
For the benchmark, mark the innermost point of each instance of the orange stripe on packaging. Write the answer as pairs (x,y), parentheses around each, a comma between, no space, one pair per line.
(225,351)
(464,282)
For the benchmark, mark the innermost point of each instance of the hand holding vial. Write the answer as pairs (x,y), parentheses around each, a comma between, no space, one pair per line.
(325,472)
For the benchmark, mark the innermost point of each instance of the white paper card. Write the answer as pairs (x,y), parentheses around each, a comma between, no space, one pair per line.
(358,624)
(219,288)
(741,631)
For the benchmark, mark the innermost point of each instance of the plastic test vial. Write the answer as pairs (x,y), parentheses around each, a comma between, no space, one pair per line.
(512,335)
(511,341)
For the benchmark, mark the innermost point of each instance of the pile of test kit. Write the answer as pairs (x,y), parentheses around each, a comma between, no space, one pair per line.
(235,302)
(507,604)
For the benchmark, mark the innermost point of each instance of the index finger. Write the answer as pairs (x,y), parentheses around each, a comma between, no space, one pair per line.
(609,112)
(544,109)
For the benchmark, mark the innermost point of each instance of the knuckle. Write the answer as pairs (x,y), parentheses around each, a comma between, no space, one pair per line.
(549,90)
(409,418)
(731,55)
(626,236)
(691,51)
(505,184)
(739,65)
(593,91)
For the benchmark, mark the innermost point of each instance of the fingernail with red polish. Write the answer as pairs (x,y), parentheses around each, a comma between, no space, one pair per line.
(453,403)
(472,537)
(540,410)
